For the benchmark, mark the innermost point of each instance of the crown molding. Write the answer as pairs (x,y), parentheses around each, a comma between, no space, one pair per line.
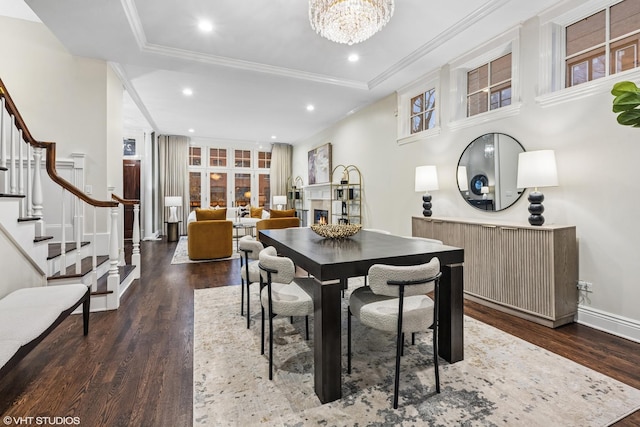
(141,39)
(124,79)
(434,43)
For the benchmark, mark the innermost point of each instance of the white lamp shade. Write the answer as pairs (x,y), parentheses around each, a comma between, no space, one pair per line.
(426,178)
(463,180)
(537,169)
(279,200)
(484,190)
(173,202)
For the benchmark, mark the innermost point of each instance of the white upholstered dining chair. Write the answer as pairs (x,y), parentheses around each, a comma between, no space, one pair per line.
(396,301)
(280,294)
(249,270)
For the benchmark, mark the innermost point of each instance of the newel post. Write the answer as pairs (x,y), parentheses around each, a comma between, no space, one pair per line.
(135,254)
(113,280)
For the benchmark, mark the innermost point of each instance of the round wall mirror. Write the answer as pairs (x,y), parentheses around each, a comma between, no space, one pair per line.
(488,170)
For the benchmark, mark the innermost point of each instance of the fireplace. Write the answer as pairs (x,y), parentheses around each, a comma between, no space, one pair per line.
(320,216)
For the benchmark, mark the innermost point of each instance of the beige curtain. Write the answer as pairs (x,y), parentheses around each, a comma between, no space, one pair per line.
(174,174)
(281,168)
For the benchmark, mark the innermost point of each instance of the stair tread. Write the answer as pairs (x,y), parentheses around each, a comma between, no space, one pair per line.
(12,196)
(86,265)
(29,218)
(101,288)
(2,168)
(55,248)
(42,239)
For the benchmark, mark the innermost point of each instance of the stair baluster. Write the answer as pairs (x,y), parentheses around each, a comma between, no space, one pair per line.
(21,171)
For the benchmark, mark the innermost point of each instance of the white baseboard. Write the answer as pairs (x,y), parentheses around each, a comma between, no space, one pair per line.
(607,322)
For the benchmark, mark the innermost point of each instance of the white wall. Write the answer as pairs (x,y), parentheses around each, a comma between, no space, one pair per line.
(75,102)
(597,160)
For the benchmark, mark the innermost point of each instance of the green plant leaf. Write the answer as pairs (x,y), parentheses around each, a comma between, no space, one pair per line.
(629,118)
(622,87)
(626,101)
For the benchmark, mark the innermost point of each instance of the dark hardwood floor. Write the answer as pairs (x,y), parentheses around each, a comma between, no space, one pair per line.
(135,368)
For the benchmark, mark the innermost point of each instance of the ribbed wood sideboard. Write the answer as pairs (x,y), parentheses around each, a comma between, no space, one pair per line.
(527,271)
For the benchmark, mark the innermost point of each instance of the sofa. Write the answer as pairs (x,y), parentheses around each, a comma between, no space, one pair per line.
(209,235)
(234,215)
(277,220)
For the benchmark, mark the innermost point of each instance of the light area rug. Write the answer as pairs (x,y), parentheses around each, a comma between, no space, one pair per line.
(502,381)
(181,255)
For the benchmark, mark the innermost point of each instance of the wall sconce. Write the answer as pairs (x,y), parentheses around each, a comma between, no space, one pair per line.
(173,203)
(279,201)
(537,169)
(426,180)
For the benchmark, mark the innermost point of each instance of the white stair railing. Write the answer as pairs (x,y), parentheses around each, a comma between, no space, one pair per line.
(16,159)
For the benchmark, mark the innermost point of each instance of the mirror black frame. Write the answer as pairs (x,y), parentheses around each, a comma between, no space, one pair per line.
(480,176)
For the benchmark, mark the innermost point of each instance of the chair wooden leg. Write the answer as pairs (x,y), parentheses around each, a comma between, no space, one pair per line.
(306,324)
(413,338)
(402,350)
(349,340)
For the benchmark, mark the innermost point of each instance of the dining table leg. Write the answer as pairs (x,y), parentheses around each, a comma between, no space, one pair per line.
(327,321)
(451,314)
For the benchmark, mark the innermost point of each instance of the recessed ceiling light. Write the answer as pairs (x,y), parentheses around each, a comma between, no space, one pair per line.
(205,26)
(353,57)
(273,137)
(310,107)
(191,130)
(187,91)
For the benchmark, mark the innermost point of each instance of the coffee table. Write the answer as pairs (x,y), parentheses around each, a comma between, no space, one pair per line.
(237,226)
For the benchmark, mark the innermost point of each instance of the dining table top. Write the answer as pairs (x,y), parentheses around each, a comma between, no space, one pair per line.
(328,259)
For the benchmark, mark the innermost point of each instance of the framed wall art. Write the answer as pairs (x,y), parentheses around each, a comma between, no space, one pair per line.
(320,164)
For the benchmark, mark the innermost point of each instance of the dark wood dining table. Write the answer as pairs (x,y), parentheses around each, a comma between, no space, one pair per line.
(332,261)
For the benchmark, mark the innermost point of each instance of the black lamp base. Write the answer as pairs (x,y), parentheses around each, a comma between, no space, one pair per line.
(536,208)
(426,205)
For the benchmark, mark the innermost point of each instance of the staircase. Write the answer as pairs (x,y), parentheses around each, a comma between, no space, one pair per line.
(50,245)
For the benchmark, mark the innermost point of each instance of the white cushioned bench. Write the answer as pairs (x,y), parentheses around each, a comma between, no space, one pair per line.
(28,315)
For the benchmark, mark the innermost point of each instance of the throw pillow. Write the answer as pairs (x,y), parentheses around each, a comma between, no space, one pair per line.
(283,214)
(256,212)
(211,214)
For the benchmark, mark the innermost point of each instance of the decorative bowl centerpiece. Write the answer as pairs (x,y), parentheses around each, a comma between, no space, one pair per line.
(336,231)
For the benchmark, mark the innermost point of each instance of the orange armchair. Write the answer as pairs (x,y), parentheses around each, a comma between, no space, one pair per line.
(273,223)
(210,239)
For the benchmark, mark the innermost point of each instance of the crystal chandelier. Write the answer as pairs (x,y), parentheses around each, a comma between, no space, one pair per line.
(349,21)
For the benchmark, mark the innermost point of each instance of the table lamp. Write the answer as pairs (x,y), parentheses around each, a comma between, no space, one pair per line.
(426,180)
(279,201)
(484,190)
(173,203)
(463,180)
(537,169)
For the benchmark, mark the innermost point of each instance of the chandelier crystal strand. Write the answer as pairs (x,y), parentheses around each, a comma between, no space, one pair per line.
(349,21)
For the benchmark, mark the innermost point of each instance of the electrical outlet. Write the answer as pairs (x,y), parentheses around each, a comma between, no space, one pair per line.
(585,286)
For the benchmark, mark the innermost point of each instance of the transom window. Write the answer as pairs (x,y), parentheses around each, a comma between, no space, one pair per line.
(243,158)
(217,157)
(264,159)
(489,86)
(604,43)
(195,156)
(423,111)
